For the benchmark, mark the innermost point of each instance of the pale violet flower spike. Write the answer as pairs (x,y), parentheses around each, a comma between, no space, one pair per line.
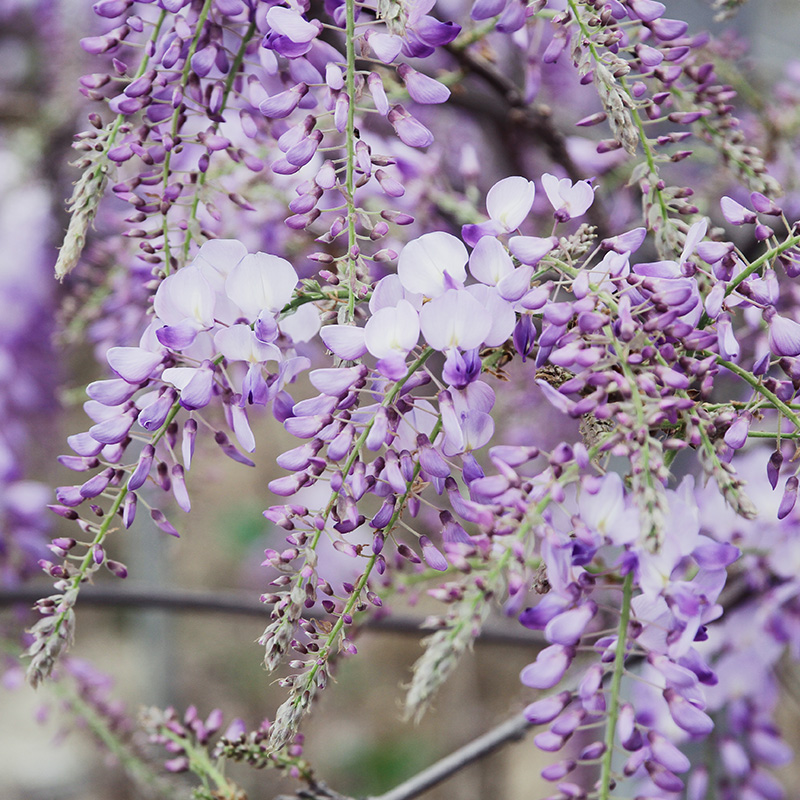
(569,199)
(432,263)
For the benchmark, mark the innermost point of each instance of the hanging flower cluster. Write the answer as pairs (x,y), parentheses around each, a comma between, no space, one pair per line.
(663,342)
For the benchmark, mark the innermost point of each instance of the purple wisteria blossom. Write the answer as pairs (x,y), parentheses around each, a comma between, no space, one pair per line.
(509,289)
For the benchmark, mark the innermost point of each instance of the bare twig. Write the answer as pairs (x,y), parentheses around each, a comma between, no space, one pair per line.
(185,600)
(511,730)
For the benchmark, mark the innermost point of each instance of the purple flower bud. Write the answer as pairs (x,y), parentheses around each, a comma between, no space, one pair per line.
(549,667)
(409,130)
(567,628)
(555,772)
(549,742)
(340,111)
(452,532)
(666,754)
(179,488)
(429,458)
(686,715)
(95,45)
(340,446)
(763,205)
(736,435)
(646,10)
(626,725)
(628,242)
(98,554)
(712,252)
(784,336)
(735,212)
(389,185)
(663,778)
(84,444)
(789,497)
(547,709)
(129,509)
(375,85)
(668,29)
(763,232)
(162,523)
(774,467)
(114,429)
(380,428)
(78,463)
(289,484)
(433,558)
(175,765)
(466,509)
(222,440)
(97,484)
(111,8)
(153,416)
(422,88)
(486,9)
(116,568)
(768,747)
(281,105)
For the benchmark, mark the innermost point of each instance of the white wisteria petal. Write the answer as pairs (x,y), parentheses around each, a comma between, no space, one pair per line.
(509,201)
(424,261)
(346,341)
(186,294)
(501,314)
(456,319)
(490,262)
(239,343)
(392,330)
(290,23)
(261,281)
(303,325)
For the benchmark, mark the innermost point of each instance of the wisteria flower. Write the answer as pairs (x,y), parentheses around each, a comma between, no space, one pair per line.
(508,202)
(432,264)
(569,200)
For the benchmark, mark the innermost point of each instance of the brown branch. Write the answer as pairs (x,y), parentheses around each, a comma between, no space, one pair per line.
(512,729)
(244,604)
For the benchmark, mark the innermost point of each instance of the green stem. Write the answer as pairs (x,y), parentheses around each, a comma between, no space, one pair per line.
(187,68)
(633,108)
(616,684)
(102,532)
(761,389)
(350,136)
(138,769)
(760,261)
